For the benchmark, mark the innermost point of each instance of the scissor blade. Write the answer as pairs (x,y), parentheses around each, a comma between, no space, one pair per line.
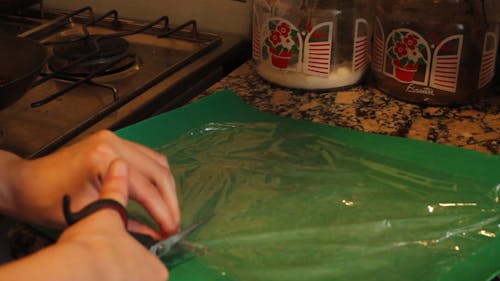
(163,247)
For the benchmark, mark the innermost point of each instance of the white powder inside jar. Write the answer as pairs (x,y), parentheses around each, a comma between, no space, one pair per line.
(341,76)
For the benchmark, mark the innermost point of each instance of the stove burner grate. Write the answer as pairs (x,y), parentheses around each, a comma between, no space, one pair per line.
(108,47)
(91,57)
(98,51)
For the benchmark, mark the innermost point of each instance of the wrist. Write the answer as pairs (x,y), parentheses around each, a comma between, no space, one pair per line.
(93,244)
(10,169)
(89,255)
(61,261)
(27,193)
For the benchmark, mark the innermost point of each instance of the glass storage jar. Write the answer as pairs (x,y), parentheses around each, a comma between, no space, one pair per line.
(311,44)
(435,52)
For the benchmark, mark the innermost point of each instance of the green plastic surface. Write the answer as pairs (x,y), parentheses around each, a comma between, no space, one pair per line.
(295,200)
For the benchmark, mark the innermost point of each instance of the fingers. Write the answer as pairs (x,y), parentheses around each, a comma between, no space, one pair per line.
(151,169)
(150,178)
(150,197)
(135,226)
(167,190)
(155,156)
(162,179)
(115,184)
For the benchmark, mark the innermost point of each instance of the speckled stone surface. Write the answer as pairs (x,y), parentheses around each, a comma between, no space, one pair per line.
(364,108)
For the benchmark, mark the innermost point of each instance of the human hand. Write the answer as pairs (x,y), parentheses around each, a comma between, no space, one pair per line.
(38,186)
(97,247)
(104,236)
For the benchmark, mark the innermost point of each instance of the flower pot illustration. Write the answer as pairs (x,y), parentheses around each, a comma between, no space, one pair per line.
(404,73)
(407,50)
(282,40)
(280,59)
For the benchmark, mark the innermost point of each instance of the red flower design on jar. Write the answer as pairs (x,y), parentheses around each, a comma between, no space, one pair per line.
(400,49)
(283,41)
(275,37)
(410,41)
(284,29)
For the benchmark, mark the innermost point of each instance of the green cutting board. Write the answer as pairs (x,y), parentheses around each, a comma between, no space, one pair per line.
(226,107)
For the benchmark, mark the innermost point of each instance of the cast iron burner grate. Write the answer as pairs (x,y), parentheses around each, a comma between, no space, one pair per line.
(84,58)
(109,49)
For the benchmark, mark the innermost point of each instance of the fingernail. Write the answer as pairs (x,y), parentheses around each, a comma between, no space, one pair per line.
(119,168)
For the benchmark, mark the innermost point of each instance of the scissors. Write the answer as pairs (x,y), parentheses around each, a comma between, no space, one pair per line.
(158,248)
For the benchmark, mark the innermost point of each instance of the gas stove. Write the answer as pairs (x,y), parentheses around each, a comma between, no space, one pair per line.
(106,72)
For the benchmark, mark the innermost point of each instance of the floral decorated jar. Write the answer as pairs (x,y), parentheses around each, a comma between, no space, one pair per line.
(436,52)
(312,44)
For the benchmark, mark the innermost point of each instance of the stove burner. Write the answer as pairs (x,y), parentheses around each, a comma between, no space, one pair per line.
(108,47)
(110,50)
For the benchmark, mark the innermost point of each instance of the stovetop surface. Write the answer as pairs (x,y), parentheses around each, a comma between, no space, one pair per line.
(25,130)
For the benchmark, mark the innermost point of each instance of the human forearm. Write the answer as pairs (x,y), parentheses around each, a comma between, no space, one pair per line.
(9,168)
(58,262)
(95,248)
(22,191)
(32,190)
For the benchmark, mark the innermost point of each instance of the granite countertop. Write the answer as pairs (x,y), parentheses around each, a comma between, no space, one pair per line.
(364,108)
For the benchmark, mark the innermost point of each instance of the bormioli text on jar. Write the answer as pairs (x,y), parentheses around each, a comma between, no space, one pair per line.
(436,52)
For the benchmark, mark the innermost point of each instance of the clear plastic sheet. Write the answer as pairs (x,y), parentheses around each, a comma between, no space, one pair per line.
(293,205)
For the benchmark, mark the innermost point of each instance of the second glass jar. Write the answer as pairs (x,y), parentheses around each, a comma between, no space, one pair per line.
(435,52)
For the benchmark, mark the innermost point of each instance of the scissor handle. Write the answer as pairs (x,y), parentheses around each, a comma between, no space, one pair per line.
(72,218)
(91,208)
